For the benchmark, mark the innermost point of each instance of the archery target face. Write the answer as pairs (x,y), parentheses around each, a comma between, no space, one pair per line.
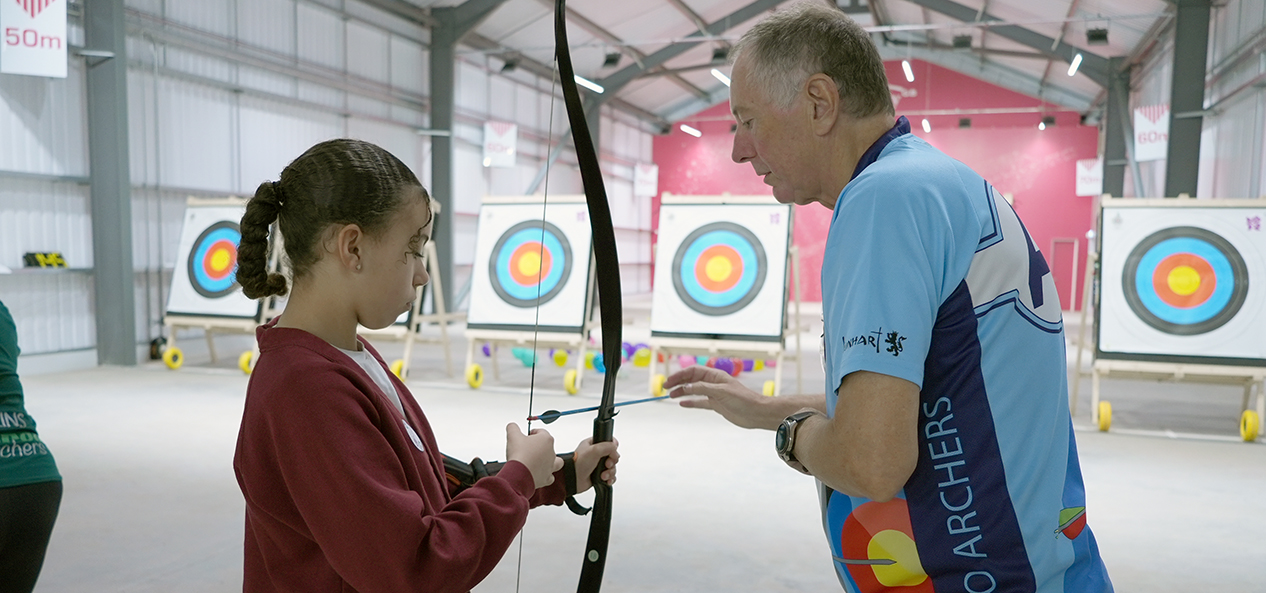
(1183,282)
(213,265)
(529,263)
(721,270)
(526,266)
(205,278)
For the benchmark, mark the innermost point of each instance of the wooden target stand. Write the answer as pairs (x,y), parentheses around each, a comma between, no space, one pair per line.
(561,343)
(671,347)
(1253,379)
(411,331)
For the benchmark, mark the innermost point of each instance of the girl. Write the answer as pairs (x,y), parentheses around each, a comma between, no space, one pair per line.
(345,486)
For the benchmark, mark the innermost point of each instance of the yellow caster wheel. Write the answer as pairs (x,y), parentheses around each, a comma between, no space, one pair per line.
(244,362)
(173,357)
(474,376)
(560,358)
(397,368)
(569,382)
(768,389)
(1250,422)
(657,386)
(1105,416)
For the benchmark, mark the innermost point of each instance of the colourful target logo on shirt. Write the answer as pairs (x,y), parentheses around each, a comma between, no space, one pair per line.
(212,264)
(719,268)
(530,263)
(877,547)
(1185,281)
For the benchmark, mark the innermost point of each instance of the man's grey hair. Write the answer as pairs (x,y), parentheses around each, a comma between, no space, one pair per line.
(784,50)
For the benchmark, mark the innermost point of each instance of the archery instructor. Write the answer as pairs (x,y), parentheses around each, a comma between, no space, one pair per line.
(943,446)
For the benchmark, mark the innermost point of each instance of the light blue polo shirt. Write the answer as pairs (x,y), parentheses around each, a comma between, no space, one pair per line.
(929,276)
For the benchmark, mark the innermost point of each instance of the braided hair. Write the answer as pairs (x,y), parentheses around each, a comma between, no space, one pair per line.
(341,182)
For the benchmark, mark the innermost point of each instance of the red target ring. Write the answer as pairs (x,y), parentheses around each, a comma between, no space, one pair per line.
(1184,280)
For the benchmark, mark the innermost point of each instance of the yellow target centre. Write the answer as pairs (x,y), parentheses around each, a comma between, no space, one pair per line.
(1184,280)
(220,260)
(891,544)
(718,269)
(530,264)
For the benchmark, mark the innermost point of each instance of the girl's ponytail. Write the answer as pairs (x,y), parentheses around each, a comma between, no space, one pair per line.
(252,253)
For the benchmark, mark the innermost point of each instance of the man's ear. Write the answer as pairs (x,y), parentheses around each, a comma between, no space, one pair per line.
(824,96)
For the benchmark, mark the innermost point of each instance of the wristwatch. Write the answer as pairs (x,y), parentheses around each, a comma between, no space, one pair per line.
(785,439)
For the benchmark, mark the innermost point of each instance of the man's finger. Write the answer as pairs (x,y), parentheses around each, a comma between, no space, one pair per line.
(702,403)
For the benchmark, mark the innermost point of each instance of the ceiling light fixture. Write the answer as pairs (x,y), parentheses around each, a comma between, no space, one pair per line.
(719,75)
(689,130)
(905,66)
(589,84)
(1072,68)
(927,126)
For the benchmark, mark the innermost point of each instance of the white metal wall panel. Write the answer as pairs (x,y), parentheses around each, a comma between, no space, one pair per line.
(38,215)
(368,52)
(214,16)
(410,69)
(142,128)
(269,24)
(150,6)
(53,311)
(470,184)
(405,115)
(43,124)
(321,36)
(195,140)
(502,98)
(471,88)
(196,64)
(266,81)
(272,134)
(367,106)
(398,140)
(321,95)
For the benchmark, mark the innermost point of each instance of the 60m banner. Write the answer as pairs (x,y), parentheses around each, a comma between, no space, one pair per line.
(34,40)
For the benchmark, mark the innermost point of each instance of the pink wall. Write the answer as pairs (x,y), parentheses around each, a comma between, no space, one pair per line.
(1036,167)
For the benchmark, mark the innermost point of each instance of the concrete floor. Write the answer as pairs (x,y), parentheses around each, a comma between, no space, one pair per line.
(151,504)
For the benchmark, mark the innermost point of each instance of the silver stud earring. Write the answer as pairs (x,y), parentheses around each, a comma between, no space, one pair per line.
(357,267)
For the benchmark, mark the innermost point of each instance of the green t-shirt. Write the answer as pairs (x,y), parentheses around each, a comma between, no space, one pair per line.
(24,459)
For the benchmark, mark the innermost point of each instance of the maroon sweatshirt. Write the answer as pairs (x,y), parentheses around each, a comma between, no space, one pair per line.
(338,496)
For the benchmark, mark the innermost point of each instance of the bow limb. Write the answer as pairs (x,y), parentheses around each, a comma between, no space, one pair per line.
(608,271)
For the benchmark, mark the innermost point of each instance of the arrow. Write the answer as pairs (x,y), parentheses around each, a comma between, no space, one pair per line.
(549,416)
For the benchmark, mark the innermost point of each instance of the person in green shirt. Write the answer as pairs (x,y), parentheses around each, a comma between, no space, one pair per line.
(30,486)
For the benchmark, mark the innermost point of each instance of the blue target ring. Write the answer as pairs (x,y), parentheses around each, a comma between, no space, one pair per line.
(1209,259)
(530,263)
(719,268)
(212,264)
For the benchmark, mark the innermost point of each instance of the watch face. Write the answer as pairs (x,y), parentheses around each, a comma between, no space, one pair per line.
(780,437)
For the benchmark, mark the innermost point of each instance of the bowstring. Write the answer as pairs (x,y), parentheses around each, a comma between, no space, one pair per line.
(536,324)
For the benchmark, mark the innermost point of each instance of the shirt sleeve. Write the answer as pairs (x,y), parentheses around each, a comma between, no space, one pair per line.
(324,465)
(883,272)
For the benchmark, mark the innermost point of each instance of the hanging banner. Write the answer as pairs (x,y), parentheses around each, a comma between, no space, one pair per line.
(1151,132)
(501,142)
(645,180)
(34,37)
(1089,177)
